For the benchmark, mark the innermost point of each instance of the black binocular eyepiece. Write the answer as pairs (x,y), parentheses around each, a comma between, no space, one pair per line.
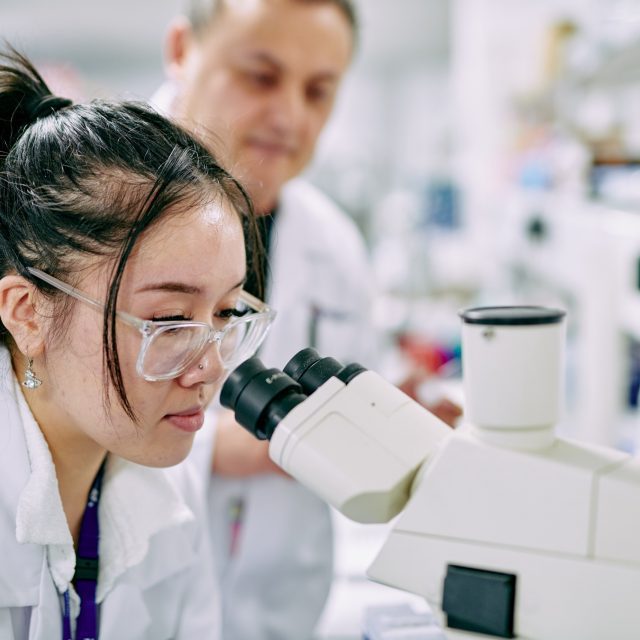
(261,397)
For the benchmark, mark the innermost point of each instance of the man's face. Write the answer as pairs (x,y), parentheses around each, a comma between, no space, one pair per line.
(258,85)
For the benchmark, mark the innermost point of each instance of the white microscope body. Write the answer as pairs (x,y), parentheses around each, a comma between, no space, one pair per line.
(506,528)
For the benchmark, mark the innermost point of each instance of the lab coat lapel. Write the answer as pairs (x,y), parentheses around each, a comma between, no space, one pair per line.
(294,265)
(133,626)
(289,257)
(137,505)
(46,612)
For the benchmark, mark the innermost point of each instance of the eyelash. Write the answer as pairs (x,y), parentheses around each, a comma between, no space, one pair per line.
(232,313)
(173,318)
(225,313)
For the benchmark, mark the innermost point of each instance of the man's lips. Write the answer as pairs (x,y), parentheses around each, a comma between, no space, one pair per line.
(272,146)
(189,420)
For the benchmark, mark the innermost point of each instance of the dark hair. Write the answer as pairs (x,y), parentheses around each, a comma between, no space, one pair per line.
(202,12)
(89,179)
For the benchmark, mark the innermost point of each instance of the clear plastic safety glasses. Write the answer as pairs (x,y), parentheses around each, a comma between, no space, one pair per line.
(170,347)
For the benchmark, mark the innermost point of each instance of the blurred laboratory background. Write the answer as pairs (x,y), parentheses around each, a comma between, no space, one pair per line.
(489,150)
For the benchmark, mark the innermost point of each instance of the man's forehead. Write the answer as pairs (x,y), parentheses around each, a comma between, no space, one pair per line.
(251,7)
(242,5)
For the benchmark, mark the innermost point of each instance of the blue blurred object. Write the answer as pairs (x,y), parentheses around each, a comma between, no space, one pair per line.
(400,622)
(442,204)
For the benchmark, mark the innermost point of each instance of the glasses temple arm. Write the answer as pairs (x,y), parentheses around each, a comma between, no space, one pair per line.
(79,295)
(65,288)
(254,302)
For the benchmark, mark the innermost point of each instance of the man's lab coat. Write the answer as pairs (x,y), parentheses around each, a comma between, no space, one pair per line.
(276,582)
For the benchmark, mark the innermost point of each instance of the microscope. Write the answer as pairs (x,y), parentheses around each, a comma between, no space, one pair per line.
(505,528)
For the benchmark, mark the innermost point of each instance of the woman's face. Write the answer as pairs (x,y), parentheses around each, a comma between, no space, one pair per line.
(190,266)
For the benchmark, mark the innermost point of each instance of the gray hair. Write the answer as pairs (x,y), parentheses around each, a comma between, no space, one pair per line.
(202,13)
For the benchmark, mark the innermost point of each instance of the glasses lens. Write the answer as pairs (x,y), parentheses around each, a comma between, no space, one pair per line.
(242,339)
(172,349)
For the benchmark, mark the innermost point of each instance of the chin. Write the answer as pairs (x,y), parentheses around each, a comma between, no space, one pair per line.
(161,459)
(271,180)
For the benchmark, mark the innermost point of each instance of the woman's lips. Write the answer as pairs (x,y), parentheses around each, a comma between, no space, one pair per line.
(190,420)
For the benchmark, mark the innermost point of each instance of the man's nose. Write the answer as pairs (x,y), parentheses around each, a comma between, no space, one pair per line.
(289,107)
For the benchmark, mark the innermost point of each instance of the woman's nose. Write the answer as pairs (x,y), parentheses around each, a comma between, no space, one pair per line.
(208,369)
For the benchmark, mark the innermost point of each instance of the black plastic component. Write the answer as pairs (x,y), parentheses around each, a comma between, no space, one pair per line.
(348,373)
(512,316)
(86,569)
(297,366)
(311,370)
(537,229)
(260,397)
(479,600)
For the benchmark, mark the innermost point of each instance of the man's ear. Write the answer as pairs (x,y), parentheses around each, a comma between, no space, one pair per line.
(178,41)
(19,315)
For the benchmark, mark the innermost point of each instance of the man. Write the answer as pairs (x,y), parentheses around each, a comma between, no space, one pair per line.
(257,80)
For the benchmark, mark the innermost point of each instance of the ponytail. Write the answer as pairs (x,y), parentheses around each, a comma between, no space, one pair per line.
(86,182)
(24,98)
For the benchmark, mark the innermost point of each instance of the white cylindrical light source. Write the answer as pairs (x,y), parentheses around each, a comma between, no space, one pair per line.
(513,367)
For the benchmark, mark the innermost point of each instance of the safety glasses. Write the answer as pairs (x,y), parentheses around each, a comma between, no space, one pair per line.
(169,347)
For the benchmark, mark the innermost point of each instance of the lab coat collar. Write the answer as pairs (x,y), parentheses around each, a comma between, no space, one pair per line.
(40,518)
(163,100)
(22,564)
(136,504)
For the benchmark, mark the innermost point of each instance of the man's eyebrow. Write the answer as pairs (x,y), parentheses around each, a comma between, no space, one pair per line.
(175,287)
(266,58)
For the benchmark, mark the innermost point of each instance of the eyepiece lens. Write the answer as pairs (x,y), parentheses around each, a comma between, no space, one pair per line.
(297,366)
(310,370)
(238,380)
(260,397)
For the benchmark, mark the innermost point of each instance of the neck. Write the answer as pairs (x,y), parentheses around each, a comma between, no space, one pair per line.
(75,477)
(265,208)
(264,201)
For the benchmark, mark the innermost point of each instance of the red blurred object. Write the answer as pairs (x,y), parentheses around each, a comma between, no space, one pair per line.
(426,360)
(426,355)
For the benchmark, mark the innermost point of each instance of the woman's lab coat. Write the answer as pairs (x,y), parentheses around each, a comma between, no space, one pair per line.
(275,584)
(155,582)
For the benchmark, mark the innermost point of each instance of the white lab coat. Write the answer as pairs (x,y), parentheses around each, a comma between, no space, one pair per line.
(276,584)
(155,580)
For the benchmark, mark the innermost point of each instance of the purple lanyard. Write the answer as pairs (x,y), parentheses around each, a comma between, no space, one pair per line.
(85,578)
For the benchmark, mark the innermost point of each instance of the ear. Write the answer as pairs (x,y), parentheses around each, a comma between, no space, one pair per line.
(179,40)
(19,315)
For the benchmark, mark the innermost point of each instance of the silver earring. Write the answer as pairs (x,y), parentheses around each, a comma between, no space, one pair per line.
(31,381)
(201,366)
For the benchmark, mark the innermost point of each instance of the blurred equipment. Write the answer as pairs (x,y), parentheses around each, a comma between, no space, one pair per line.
(401,622)
(506,528)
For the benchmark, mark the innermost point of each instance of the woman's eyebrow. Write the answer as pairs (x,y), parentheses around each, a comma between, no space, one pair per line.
(180,287)
(175,287)
(237,286)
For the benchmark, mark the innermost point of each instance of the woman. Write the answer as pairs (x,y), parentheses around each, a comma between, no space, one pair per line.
(122,260)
